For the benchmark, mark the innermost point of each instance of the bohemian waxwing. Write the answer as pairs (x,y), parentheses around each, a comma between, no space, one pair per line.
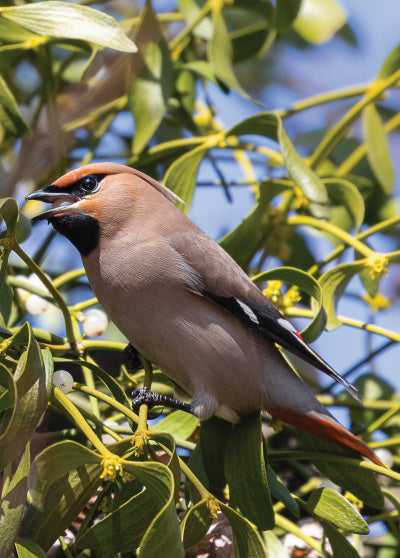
(184,303)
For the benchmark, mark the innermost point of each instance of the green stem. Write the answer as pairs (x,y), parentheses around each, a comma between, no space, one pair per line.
(323,98)
(89,380)
(276,455)
(80,421)
(332,229)
(379,227)
(355,157)
(395,441)
(372,328)
(335,134)
(368,404)
(174,43)
(147,381)
(291,527)
(382,419)
(69,327)
(68,277)
(80,306)
(109,400)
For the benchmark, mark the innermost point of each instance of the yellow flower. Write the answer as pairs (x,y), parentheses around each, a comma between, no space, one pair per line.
(273,292)
(291,297)
(213,507)
(377,302)
(111,467)
(377,264)
(301,200)
(140,440)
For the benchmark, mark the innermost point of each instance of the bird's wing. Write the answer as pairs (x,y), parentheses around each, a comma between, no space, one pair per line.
(221,280)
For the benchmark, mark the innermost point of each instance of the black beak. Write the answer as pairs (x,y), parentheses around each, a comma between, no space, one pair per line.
(48,196)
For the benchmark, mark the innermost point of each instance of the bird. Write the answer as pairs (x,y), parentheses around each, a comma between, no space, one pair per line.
(185,304)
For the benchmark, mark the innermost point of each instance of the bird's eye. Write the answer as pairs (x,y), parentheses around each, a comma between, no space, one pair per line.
(89,183)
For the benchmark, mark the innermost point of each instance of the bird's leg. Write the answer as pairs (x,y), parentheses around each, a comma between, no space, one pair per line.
(143,396)
(132,359)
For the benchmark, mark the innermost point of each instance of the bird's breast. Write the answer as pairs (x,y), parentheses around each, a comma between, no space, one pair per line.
(198,344)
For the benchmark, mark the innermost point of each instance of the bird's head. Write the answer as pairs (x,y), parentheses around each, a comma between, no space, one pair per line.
(94,197)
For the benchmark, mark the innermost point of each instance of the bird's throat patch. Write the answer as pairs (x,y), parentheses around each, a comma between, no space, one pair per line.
(82,230)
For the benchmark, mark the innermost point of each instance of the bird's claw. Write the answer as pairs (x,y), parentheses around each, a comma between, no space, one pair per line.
(143,396)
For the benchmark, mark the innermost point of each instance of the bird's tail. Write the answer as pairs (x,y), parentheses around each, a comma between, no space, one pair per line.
(326,427)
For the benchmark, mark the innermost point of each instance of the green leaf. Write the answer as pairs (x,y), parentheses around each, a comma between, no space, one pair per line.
(391,63)
(281,493)
(249,41)
(9,212)
(360,482)
(13,33)
(4,256)
(328,504)
(308,284)
(122,529)
(378,150)
(70,21)
(196,523)
(162,538)
(20,337)
(152,87)
(246,472)
(28,549)
(32,384)
(341,548)
(8,389)
(304,177)
(23,228)
(196,465)
(319,20)
(12,503)
(371,387)
(214,437)
(333,284)
(10,116)
(180,424)
(201,68)
(167,443)
(261,124)
(286,13)
(55,462)
(370,284)
(185,94)
(343,193)
(64,501)
(246,539)
(6,298)
(220,53)
(251,234)
(181,175)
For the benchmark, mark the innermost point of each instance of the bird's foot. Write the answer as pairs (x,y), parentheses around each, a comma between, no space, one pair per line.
(143,396)
(132,359)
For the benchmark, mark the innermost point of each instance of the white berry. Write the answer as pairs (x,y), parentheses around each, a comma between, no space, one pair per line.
(36,305)
(95,322)
(63,380)
(385,456)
